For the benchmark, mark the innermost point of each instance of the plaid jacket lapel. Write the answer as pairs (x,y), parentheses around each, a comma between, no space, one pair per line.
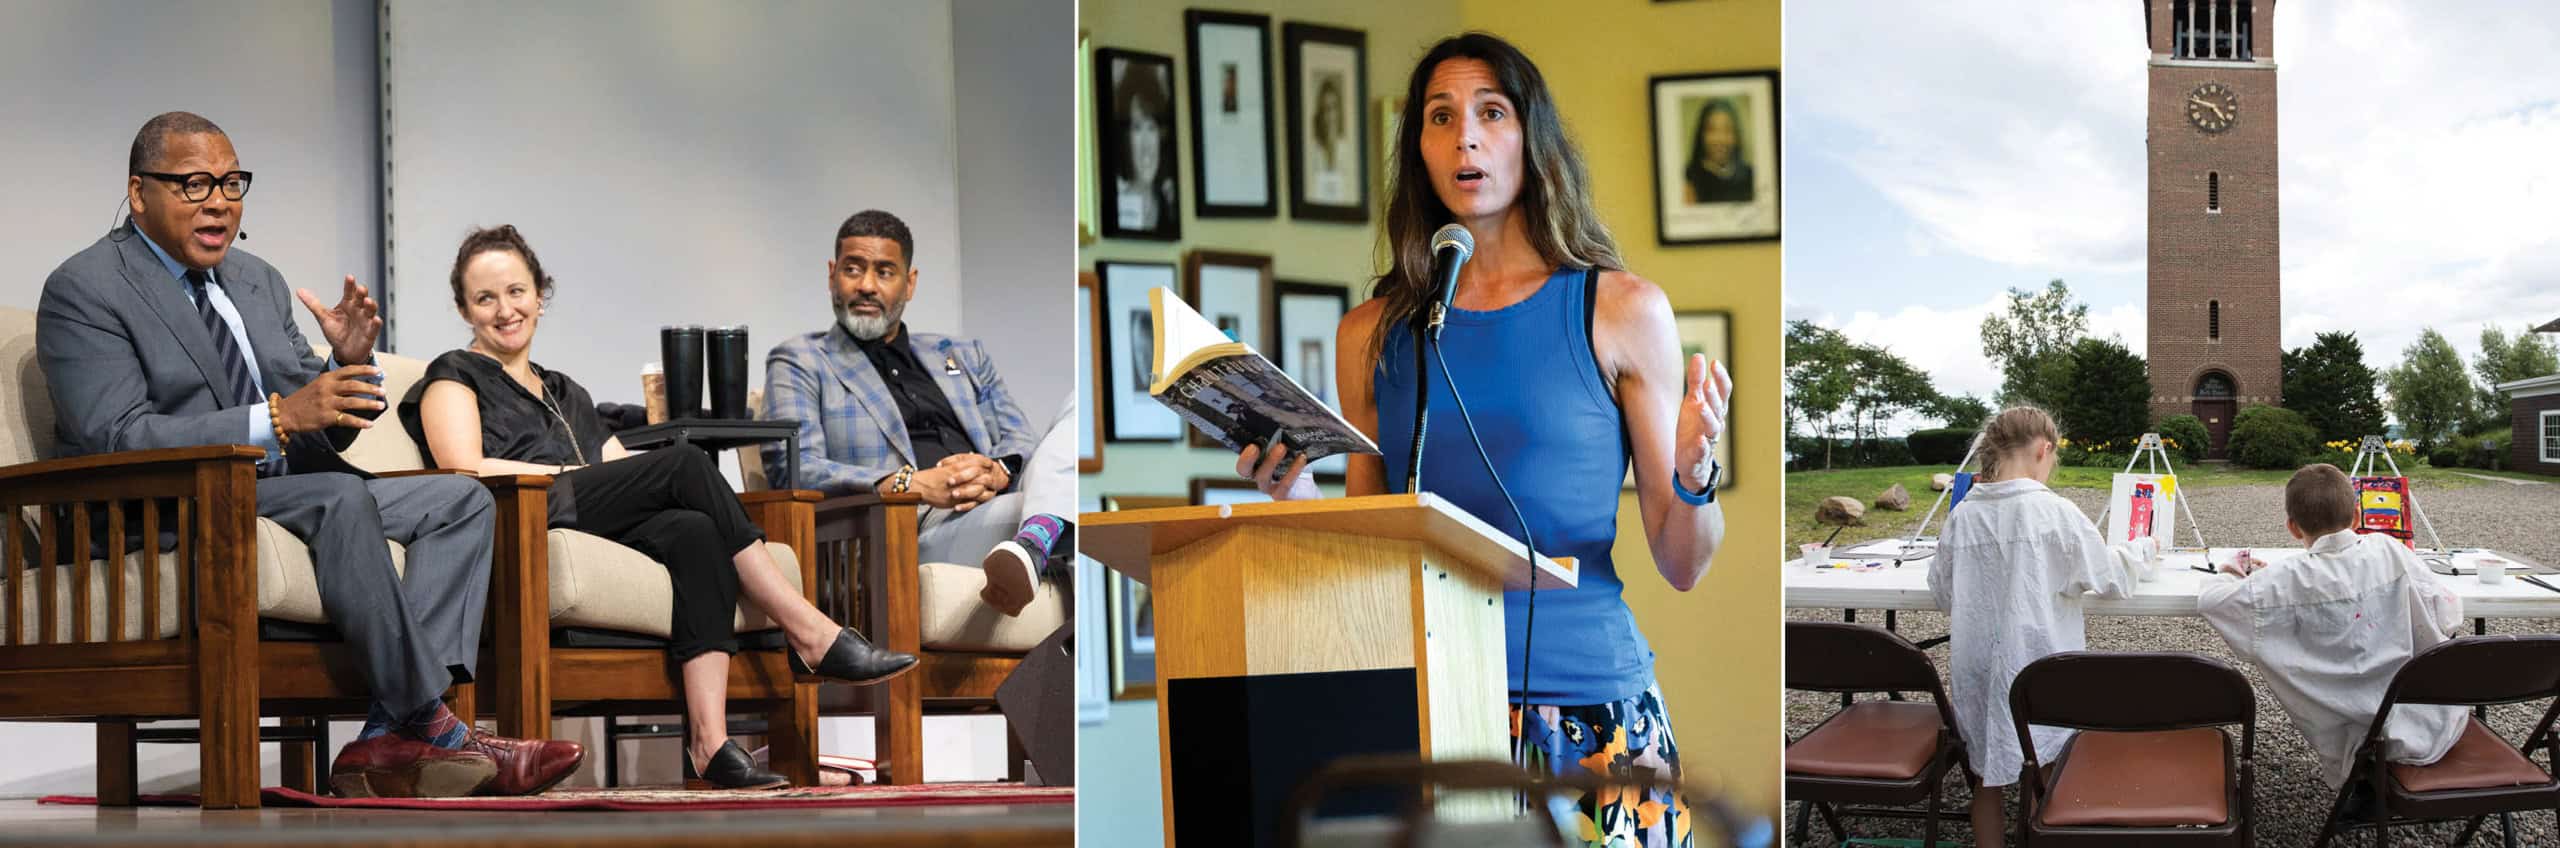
(863,384)
(951,371)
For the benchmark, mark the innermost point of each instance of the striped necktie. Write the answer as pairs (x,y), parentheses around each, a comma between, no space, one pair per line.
(235,388)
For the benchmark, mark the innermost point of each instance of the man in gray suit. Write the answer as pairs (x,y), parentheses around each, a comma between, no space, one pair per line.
(160,335)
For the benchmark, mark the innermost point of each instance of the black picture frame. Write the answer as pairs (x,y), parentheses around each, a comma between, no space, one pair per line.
(1243,107)
(1112,158)
(1741,205)
(1130,415)
(1315,193)
(1252,329)
(1289,342)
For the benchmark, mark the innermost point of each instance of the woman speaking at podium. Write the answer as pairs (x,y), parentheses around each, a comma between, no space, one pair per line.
(1570,367)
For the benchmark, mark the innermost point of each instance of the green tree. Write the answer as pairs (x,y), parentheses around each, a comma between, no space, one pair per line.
(2110,396)
(2331,386)
(1820,372)
(1961,412)
(2431,393)
(2031,342)
(2529,355)
(1884,385)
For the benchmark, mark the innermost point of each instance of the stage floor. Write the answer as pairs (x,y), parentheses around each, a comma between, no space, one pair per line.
(24,822)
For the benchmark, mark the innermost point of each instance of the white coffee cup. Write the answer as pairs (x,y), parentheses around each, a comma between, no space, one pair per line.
(1816,553)
(2492,570)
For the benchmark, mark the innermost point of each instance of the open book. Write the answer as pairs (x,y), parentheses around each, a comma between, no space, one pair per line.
(1234,395)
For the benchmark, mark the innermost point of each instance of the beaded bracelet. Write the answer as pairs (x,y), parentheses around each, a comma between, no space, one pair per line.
(275,416)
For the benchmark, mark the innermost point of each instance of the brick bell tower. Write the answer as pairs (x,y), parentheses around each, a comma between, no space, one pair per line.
(2213,301)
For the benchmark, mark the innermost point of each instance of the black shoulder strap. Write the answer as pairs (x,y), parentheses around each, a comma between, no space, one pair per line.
(1590,299)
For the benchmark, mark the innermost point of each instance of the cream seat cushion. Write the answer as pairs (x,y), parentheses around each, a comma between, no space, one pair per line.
(955,619)
(599,583)
(288,589)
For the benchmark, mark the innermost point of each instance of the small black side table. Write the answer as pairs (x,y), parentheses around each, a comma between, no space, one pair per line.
(719,434)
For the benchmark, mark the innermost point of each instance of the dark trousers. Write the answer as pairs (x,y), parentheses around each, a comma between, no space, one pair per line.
(673,505)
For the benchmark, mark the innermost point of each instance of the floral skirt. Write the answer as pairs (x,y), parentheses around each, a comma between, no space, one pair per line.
(1626,738)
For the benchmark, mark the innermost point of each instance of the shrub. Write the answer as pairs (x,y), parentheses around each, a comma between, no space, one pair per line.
(2272,437)
(2445,456)
(2186,435)
(1944,446)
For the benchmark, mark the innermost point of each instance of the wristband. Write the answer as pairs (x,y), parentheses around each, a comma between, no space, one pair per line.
(1714,470)
(898,484)
(275,418)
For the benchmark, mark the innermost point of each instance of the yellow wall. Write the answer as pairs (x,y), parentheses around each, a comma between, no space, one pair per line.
(1718,644)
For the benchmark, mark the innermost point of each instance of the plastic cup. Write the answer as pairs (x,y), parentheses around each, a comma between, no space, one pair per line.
(2492,570)
(653,391)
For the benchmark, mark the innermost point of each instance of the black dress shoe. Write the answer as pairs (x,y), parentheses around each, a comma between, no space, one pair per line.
(854,660)
(731,768)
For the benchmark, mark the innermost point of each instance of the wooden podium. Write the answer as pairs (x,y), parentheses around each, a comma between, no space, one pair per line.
(1290,634)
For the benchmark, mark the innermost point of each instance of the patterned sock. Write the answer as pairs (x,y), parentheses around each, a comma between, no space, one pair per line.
(1038,533)
(377,721)
(436,725)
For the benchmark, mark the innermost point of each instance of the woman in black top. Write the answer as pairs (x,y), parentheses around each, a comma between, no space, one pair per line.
(489,409)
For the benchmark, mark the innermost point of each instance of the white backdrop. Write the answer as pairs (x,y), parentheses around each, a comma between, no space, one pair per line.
(671,162)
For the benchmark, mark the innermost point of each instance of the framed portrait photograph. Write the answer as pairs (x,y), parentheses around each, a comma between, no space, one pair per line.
(1137,182)
(1231,142)
(1709,332)
(1129,352)
(1089,427)
(1233,291)
(1212,491)
(1715,157)
(1308,314)
(1328,75)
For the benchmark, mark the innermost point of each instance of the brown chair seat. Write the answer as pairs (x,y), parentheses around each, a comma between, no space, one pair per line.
(2478,760)
(2163,778)
(1879,740)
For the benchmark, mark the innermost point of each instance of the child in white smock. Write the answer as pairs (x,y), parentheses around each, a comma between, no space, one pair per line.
(2332,625)
(2011,569)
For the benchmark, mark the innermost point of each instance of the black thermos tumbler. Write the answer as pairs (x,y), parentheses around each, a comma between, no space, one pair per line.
(729,372)
(681,350)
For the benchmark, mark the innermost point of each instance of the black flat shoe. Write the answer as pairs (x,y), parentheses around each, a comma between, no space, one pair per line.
(854,660)
(731,768)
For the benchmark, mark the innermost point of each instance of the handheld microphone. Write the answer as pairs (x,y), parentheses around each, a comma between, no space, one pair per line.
(1450,249)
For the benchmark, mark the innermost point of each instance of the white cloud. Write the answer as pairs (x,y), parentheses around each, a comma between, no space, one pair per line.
(2419,174)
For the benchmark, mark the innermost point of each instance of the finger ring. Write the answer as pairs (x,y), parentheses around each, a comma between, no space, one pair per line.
(339,421)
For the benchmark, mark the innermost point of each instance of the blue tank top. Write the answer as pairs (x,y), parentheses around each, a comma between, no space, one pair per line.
(1550,426)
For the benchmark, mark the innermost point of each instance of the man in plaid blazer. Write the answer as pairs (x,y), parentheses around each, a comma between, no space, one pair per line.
(885,410)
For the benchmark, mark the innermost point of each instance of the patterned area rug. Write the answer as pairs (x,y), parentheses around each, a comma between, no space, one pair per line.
(662,798)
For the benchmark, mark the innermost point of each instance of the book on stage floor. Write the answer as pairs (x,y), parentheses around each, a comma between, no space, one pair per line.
(1234,395)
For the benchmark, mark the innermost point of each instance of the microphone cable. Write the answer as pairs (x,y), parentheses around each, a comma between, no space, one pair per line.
(1528,540)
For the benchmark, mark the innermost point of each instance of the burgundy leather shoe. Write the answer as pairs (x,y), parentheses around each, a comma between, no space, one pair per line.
(525,766)
(395,766)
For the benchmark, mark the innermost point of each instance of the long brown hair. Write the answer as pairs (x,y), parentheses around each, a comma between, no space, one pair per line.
(1556,194)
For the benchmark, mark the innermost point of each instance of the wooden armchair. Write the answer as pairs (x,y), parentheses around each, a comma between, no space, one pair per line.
(578,628)
(868,576)
(166,624)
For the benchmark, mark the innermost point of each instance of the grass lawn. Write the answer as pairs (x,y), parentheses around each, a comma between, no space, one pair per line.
(1805,489)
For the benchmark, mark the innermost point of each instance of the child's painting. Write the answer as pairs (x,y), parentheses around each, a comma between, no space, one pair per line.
(2383,507)
(2143,505)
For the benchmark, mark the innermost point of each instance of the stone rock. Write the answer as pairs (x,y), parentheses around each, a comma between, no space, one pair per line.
(1840,511)
(1894,498)
(1941,482)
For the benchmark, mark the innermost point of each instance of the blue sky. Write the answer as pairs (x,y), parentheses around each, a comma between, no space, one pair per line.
(1940,153)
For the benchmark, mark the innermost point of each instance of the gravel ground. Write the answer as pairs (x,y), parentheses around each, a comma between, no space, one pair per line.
(2291,801)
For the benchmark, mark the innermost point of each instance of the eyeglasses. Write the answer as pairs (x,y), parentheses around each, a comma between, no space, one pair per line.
(198,186)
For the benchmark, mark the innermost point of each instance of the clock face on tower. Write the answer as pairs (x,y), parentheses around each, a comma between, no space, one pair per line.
(2212,107)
